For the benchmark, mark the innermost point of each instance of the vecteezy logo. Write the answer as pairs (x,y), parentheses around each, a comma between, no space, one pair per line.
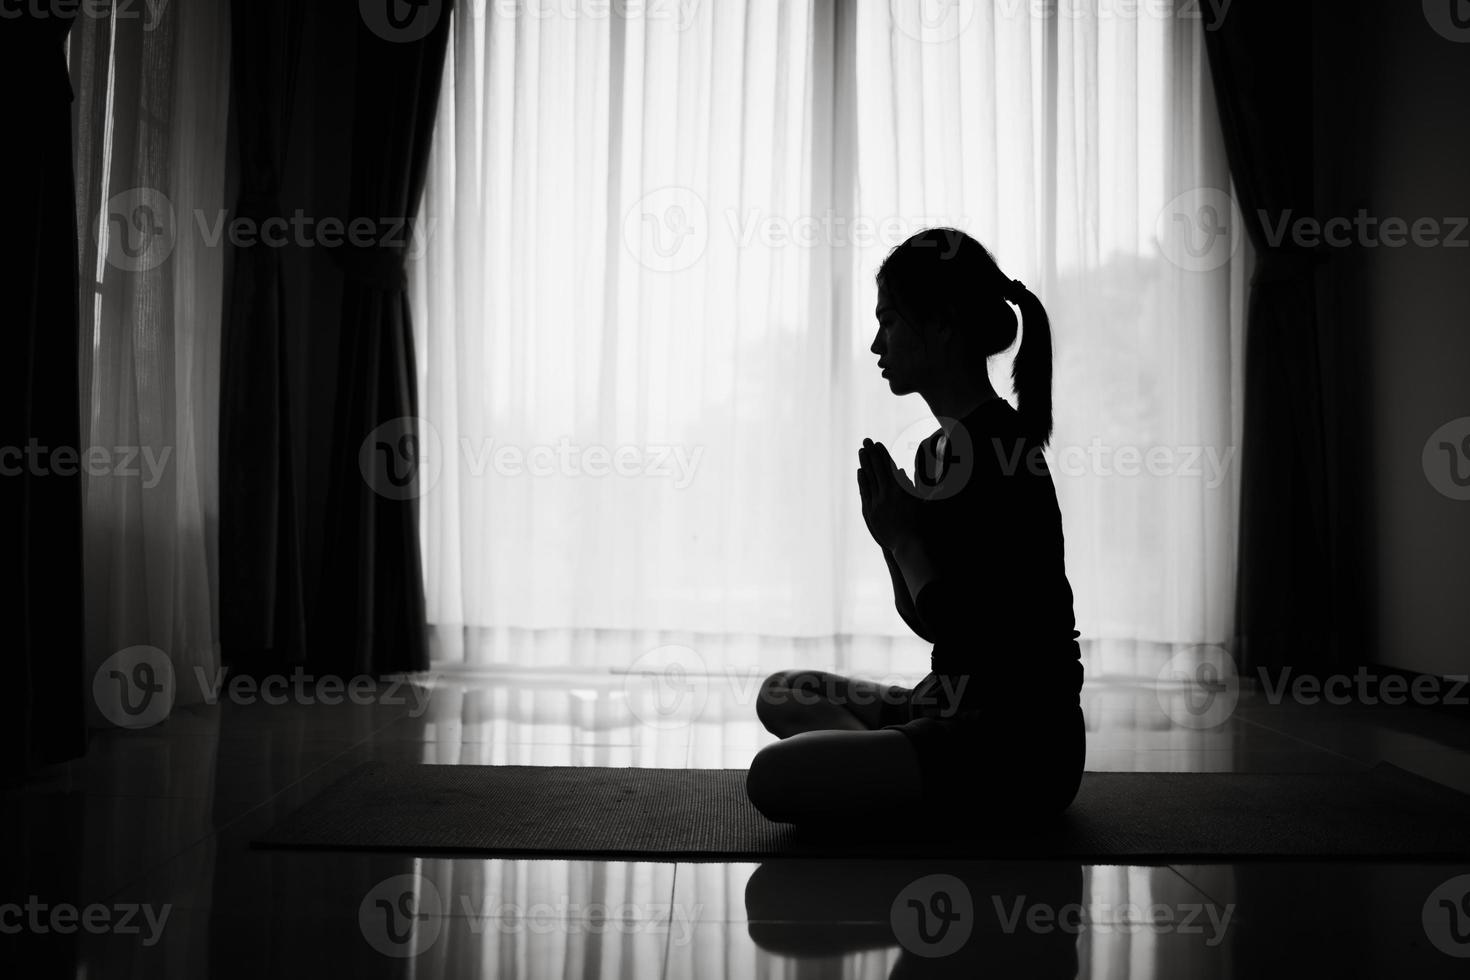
(141,230)
(943,465)
(1446,459)
(1446,917)
(401,459)
(933,916)
(667,230)
(401,916)
(401,21)
(688,11)
(1199,231)
(1449,18)
(680,687)
(932,21)
(134,688)
(1197,693)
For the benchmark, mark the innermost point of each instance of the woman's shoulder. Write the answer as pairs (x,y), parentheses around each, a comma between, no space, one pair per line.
(993,434)
(994,459)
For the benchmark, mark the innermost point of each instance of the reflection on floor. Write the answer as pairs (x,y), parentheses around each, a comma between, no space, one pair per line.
(135,860)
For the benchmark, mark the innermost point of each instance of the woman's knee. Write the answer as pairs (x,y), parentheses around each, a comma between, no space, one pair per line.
(775,706)
(768,783)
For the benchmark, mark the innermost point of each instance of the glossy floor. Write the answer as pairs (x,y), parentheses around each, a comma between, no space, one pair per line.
(135,861)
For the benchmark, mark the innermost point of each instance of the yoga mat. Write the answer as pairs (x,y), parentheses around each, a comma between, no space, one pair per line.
(1383,813)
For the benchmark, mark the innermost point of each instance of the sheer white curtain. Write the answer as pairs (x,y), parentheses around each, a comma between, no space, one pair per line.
(152,101)
(645,307)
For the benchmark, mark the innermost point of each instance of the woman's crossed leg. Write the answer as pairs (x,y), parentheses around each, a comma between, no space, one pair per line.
(835,764)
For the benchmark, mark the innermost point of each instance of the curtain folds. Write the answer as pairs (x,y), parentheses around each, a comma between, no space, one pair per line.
(41,571)
(262,616)
(1286,613)
(152,98)
(371,617)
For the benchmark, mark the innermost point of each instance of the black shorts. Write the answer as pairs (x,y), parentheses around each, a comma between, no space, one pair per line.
(1021,759)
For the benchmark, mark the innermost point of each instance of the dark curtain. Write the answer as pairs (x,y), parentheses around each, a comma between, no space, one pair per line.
(1261,63)
(262,622)
(370,619)
(40,485)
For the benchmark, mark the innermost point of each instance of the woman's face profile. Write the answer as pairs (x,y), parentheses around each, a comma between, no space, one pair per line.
(900,346)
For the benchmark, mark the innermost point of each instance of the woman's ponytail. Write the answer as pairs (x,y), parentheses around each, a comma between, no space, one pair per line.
(1031,370)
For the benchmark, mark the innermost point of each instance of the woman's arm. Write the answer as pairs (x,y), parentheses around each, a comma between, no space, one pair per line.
(938,607)
(913,561)
(902,599)
(890,508)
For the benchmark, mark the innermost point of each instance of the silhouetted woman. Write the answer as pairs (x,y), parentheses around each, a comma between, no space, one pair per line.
(974,547)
